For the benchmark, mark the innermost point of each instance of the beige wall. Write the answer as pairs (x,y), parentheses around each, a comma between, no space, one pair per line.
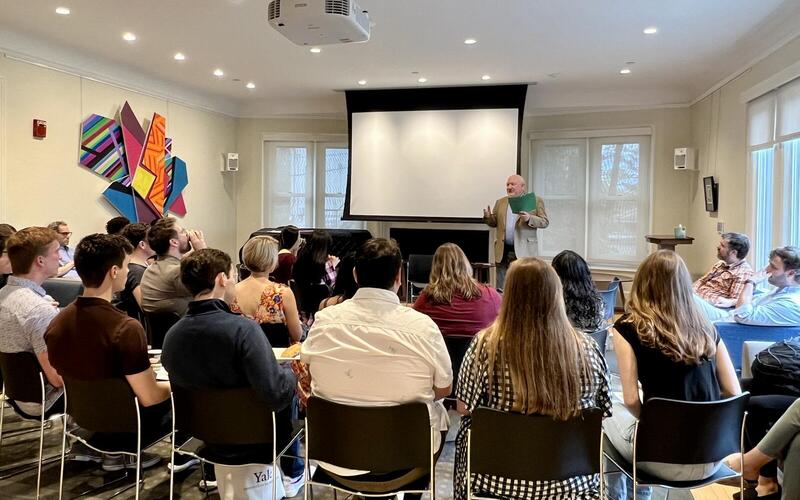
(249,180)
(42,180)
(719,127)
(671,129)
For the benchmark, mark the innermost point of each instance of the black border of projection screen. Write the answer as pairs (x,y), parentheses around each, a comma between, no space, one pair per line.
(432,99)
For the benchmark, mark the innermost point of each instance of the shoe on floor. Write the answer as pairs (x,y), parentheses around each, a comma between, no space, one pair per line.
(79,452)
(112,463)
(207,485)
(750,494)
(183,462)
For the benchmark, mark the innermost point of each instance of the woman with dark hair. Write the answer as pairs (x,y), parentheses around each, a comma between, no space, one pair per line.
(345,286)
(531,360)
(287,255)
(585,308)
(453,299)
(6,231)
(314,265)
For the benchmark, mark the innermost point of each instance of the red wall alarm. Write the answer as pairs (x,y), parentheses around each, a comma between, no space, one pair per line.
(39,129)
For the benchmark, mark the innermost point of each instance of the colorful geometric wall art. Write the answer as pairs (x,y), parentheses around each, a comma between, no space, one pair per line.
(146,179)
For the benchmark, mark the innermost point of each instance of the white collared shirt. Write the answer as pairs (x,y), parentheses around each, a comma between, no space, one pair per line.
(372,351)
(511,221)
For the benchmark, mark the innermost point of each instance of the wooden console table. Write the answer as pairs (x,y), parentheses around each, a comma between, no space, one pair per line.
(667,241)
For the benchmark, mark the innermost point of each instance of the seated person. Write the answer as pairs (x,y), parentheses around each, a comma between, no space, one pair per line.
(116,224)
(6,231)
(780,307)
(585,307)
(373,351)
(457,303)
(26,310)
(130,298)
(287,255)
(781,442)
(724,283)
(674,356)
(345,286)
(559,371)
(213,348)
(162,290)
(260,299)
(66,254)
(313,264)
(92,340)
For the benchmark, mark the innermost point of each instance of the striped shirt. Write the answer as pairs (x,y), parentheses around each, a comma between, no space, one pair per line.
(723,281)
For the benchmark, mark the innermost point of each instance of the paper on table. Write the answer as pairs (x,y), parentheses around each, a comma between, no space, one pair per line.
(524,203)
(278,351)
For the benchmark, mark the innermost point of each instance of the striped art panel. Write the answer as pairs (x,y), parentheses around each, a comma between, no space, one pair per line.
(102,150)
(153,159)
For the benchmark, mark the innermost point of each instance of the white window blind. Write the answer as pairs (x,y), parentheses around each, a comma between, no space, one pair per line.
(597,193)
(773,132)
(305,184)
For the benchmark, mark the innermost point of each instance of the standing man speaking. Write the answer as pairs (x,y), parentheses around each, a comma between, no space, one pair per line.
(516,231)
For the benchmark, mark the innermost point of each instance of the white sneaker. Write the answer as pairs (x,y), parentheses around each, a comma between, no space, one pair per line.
(293,485)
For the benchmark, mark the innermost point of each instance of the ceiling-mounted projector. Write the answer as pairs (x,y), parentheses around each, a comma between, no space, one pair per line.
(319,22)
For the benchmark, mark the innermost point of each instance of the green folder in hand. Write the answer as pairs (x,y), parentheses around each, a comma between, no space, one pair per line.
(524,203)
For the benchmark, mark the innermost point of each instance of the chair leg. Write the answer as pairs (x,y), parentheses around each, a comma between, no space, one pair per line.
(41,449)
(63,454)
(203,477)
(2,412)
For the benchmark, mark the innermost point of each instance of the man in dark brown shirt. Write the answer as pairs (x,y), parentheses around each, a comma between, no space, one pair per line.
(91,339)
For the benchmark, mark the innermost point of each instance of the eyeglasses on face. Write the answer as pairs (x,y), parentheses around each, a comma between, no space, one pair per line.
(69,233)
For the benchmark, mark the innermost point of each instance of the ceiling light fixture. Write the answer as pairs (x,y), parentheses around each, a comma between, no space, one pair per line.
(650,30)
(219,73)
(315,50)
(250,85)
(624,71)
(470,41)
(129,37)
(422,79)
(179,56)
(63,11)
(362,82)
(486,77)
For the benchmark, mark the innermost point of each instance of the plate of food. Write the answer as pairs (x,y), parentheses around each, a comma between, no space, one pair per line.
(287,353)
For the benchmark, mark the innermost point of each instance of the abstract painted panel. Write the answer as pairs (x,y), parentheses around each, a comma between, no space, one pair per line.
(147,180)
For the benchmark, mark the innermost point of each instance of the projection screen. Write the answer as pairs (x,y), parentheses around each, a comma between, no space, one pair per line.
(430,164)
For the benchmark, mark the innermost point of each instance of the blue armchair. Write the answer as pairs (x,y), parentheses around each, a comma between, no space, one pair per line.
(734,335)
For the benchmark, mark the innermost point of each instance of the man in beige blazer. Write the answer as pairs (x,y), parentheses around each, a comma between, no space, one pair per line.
(515,236)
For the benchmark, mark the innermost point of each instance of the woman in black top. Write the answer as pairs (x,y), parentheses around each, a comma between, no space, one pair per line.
(666,343)
(585,307)
(312,260)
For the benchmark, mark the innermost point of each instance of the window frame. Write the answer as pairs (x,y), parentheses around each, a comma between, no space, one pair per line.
(587,135)
(316,144)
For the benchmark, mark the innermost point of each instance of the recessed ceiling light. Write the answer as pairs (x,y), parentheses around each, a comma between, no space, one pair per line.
(362,82)
(470,41)
(624,71)
(486,77)
(219,73)
(422,79)
(63,11)
(650,30)
(250,85)
(179,56)
(315,50)
(129,37)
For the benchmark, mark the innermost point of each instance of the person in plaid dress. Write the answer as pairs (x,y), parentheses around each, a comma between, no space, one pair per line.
(531,361)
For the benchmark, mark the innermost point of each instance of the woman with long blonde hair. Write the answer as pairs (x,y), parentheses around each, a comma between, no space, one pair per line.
(665,343)
(531,361)
(453,299)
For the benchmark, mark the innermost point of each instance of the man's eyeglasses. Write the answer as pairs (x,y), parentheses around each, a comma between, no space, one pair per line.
(65,234)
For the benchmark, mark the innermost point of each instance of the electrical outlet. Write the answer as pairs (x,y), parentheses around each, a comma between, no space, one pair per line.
(720,227)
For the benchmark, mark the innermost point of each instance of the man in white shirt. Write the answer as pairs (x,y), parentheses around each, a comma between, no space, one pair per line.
(780,307)
(372,351)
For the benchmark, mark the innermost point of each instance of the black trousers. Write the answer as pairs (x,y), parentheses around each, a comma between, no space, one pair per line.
(762,413)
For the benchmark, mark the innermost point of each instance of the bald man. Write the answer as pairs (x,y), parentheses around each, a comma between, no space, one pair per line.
(516,233)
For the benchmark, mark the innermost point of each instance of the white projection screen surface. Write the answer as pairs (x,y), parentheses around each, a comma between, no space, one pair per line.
(431,164)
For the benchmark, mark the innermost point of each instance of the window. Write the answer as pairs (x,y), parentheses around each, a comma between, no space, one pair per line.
(773,134)
(597,194)
(306,183)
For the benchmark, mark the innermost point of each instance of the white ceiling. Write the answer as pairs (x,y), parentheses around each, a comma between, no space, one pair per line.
(573,49)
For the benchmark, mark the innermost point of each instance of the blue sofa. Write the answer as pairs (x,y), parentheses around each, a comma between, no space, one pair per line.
(734,335)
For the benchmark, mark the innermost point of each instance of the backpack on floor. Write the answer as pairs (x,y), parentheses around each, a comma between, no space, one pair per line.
(776,369)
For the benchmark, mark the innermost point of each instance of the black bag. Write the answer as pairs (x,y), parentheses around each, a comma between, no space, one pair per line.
(776,369)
